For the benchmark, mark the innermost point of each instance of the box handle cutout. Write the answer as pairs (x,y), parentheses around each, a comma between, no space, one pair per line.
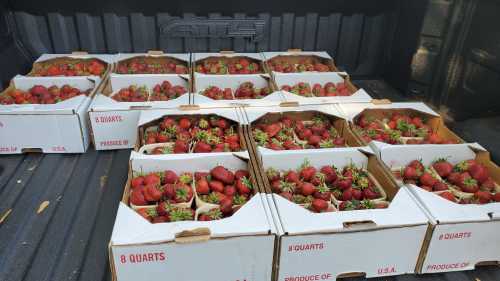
(139,107)
(201,234)
(155,52)
(79,53)
(31,150)
(187,107)
(359,224)
(294,50)
(486,263)
(227,52)
(351,275)
(381,101)
(289,104)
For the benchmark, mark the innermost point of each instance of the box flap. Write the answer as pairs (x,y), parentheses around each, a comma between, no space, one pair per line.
(123,56)
(351,110)
(119,81)
(270,55)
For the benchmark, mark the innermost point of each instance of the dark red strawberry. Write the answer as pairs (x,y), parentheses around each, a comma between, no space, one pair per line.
(222,174)
(357,194)
(411,173)
(330,173)
(306,173)
(319,205)
(229,190)
(272,130)
(200,175)
(469,185)
(448,196)
(479,172)
(454,178)
(240,174)
(202,147)
(244,185)
(202,186)
(496,197)
(170,176)
(427,179)
(483,197)
(307,188)
(291,176)
(286,195)
(443,167)
(347,194)
(137,181)
(488,185)
(183,193)
(216,186)
(169,191)
(180,147)
(416,164)
(369,193)
(226,206)
(343,183)
(137,198)
(439,186)
(272,174)
(152,193)
(152,178)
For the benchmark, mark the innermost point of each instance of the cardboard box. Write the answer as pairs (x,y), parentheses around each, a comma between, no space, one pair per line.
(151,118)
(50,128)
(326,246)
(202,82)
(462,236)
(114,124)
(243,243)
(254,115)
(291,79)
(155,57)
(46,60)
(380,107)
(295,56)
(197,59)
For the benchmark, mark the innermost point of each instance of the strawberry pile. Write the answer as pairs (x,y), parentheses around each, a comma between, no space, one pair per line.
(193,134)
(217,93)
(152,66)
(132,94)
(467,182)
(292,134)
(397,128)
(327,188)
(166,91)
(310,64)
(245,91)
(330,89)
(224,188)
(168,197)
(41,95)
(76,68)
(229,66)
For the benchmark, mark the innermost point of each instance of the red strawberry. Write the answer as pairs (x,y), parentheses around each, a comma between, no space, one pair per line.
(272,174)
(200,175)
(488,185)
(137,198)
(357,194)
(169,191)
(330,173)
(183,193)
(448,196)
(307,173)
(291,176)
(180,147)
(202,147)
(479,172)
(427,179)
(216,186)
(222,174)
(240,174)
(184,123)
(347,194)
(152,179)
(369,193)
(426,187)
(137,181)
(416,164)
(439,186)
(454,177)
(230,190)
(307,189)
(272,129)
(410,173)
(314,140)
(287,195)
(170,176)
(496,197)
(319,205)
(276,186)
(343,183)
(152,193)
(443,167)
(244,185)
(469,185)
(483,197)
(202,186)
(226,206)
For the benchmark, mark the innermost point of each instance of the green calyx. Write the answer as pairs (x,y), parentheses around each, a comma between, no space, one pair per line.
(179,214)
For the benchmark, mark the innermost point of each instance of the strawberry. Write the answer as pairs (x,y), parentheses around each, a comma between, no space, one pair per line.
(272,174)
(411,173)
(323,192)
(371,194)
(184,123)
(291,176)
(426,187)
(357,194)
(307,189)
(347,194)
(454,177)
(213,214)
(443,167)
(427,179)
(202,147)
(222,174)
(201,175)
(448,196)
(152,179)
(226,206)
(319,205)
(479,172)
(307,172)
(496,197)
(169,191)
(483,197)
(216,186)
(137,181)
(343,183)
(469,185)
(170,176)
(180,147)
(152,193)
(202,186)
(137,198)
(272,129)
(439,186)
(330,173)
(314,140)
(230,190)
(244,186)
(416,164)
(286,195)
(488,185)
(183,193)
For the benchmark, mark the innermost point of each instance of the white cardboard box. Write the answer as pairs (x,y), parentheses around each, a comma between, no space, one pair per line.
(114,124)
(463,235)
(281,79)
(353,110)
(107,58)
(201,82)
(323,246)
(252,114)
(242,243)
(49,128)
